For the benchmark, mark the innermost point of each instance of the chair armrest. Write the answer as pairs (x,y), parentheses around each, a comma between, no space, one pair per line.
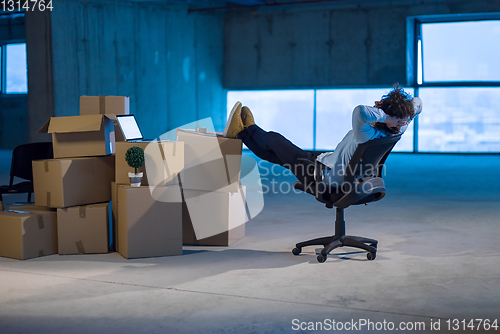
(318,168)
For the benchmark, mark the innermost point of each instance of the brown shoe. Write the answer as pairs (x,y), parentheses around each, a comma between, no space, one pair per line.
(247,117)
(234,124)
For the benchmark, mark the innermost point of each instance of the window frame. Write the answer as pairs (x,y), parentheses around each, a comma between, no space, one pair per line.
(415,56)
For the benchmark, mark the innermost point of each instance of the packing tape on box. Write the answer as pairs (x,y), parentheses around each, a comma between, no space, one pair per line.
(227,169)
(46,165)
(83,211)
(79,247)
(41,253)
(245,204)
(164,158)
(40,221)
(48,198)
(102,104)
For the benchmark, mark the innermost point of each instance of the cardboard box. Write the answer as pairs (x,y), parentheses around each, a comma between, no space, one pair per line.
(214,218)
(60,183)
(93,105)
(81,136)
(29,206)
(211,163)
(26,235)
(163,162)
(147,227)
(119,136)
(83,229)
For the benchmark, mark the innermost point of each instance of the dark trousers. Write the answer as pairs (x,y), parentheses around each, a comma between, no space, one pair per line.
(273,147)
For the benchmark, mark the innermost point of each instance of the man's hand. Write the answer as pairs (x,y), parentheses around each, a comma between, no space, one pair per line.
(395,122)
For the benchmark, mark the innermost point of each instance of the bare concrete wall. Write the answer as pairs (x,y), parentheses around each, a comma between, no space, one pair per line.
(168,61)
(13,121)
(13,107)
(338,43)
(40,74)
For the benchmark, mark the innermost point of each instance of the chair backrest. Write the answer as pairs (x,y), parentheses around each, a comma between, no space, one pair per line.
(369,158)
(23,155)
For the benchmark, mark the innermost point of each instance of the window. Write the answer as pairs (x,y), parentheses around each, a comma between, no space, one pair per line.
(312,119)
(461,51)
(460,119)
(289,112)
(16,80)
(13,68)
(334,115)
(13,64)
(456,74)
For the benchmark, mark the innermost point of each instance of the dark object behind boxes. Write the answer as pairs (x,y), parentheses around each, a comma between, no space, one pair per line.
(68,182)
(21,167)
(26,235)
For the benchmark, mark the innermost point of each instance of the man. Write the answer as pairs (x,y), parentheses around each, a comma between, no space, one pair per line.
(391,115)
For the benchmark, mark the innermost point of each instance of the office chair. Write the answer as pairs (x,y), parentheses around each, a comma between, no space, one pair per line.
(362,184)
(21,167)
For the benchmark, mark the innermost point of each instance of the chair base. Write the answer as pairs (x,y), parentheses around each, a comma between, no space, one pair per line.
(339,240)
(330,243)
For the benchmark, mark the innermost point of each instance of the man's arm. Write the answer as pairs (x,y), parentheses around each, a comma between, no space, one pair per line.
(362,116)
(417,106)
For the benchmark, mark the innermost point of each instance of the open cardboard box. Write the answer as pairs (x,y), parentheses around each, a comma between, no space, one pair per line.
(81,136)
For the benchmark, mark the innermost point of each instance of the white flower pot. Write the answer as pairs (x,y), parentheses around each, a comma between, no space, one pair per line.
(135,179)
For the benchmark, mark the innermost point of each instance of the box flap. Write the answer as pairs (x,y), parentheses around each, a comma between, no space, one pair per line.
(66,124)
(206,133)
(44,128)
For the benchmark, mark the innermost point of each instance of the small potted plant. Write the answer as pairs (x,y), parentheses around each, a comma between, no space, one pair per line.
(135,159)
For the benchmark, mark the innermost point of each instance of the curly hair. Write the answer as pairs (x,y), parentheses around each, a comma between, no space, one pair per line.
(396,103)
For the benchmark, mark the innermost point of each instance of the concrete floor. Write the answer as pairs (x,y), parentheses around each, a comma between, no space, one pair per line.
(437,229)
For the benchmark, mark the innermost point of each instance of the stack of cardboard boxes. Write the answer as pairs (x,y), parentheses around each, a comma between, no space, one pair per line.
(190,191)
(72,191)
(214,201)
(148,218)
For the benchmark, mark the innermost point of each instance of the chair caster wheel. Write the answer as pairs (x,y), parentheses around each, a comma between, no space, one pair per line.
(321,258)
(296,251)
(371,256)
